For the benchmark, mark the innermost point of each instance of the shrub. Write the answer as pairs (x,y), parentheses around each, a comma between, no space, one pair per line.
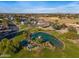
(63,26)
(57,26)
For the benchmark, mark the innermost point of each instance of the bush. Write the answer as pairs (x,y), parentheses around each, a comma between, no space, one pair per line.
(57,26)
(8,47)
(63,26)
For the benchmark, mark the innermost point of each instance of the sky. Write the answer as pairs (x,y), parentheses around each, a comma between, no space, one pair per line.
(39,6)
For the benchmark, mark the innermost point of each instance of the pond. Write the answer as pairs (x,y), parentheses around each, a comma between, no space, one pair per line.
(44,36)
(47,37)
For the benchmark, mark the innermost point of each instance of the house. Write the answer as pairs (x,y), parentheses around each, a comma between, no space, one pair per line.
(7,25)
(1,24)
(10,17)
(74,25)
(33,22)
(23,20)
(12,27)
(43,23)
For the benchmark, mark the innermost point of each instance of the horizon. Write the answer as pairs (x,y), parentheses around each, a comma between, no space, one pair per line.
(39,7)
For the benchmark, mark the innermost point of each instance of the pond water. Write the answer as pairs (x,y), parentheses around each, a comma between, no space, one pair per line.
(47,37)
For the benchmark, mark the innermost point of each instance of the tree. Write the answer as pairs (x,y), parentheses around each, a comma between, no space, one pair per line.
(72,29)
(63,26)
(56,26)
